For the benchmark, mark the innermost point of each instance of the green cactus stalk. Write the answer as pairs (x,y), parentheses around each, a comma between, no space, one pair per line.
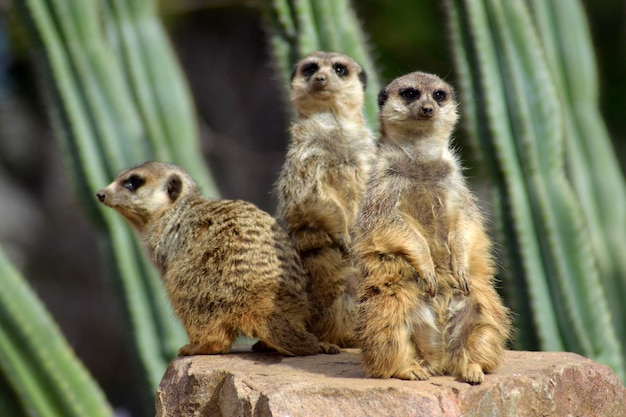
(515,118)
(36,360)
(592,165)
(116,97)
(161,95)
(299,27)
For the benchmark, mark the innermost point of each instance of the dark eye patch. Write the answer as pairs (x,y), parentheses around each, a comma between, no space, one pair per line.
(382,98)
(340,69)
(409,94)
(363,78)
(133,182)
(309,69)
(440,96)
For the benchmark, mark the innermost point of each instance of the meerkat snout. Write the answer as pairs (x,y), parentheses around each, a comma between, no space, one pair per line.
(320,80)
(427,110)
(101,196)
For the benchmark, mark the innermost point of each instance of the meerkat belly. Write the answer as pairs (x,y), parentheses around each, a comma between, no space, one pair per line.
(435,213)
(456,316)
(439,328)
(427,334)
(343,186)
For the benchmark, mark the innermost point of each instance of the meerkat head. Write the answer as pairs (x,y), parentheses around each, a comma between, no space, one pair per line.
(145,192)
(328,81)
(417,105)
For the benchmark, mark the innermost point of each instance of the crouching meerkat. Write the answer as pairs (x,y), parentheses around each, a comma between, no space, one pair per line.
(322,182)
(427,303)
(227,266)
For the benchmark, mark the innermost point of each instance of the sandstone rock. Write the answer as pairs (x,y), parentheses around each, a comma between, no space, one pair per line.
(532,384)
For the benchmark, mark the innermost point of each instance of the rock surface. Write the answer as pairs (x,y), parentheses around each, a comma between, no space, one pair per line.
(532,384)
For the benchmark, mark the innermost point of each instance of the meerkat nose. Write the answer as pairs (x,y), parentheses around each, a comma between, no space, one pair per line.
(101,196)
(427,110)
(320,79)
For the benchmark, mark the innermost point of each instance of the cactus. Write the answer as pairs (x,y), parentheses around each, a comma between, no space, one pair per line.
(116,97)
(299,27)
(593,168)
(516,120)
(36,360)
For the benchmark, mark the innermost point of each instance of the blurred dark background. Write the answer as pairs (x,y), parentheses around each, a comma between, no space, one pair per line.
(243,116)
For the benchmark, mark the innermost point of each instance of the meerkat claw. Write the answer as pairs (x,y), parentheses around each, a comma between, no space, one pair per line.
(430,284)
(463,281)
(412,373)
(473,374)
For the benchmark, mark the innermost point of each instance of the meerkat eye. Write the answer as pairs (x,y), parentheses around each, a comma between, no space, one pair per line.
(309,69)
(409,94)
(133,182)
(439,96)
(341,70)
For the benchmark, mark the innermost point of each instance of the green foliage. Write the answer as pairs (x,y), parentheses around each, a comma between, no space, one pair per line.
(36,360)
(519,115)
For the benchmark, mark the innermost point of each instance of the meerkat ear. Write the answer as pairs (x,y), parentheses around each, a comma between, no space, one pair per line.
(174,186)
(363,78)
(382,97)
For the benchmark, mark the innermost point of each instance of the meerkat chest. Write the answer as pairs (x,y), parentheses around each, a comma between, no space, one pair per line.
(431,194)
(333,154)
(343,141)
(433,207)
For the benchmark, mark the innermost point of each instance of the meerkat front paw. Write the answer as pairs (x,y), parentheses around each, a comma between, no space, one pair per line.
(461,275)
(428,280)
(460,272)
(415,372)
(473,374)
(329,348)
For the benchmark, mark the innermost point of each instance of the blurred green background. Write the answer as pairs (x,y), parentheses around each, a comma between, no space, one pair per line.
(243,116)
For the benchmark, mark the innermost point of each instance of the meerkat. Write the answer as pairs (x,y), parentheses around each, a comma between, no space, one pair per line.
(227,266)
(322,182)
(427,302)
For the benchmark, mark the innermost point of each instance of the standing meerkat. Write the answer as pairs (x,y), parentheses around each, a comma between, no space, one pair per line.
(322,183)
(227,266)
(427,304)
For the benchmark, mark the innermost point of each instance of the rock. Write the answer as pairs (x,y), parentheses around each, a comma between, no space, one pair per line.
(529,384)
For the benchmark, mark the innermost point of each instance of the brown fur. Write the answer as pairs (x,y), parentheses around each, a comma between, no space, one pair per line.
(322,183)
(427,303)
(227,266)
